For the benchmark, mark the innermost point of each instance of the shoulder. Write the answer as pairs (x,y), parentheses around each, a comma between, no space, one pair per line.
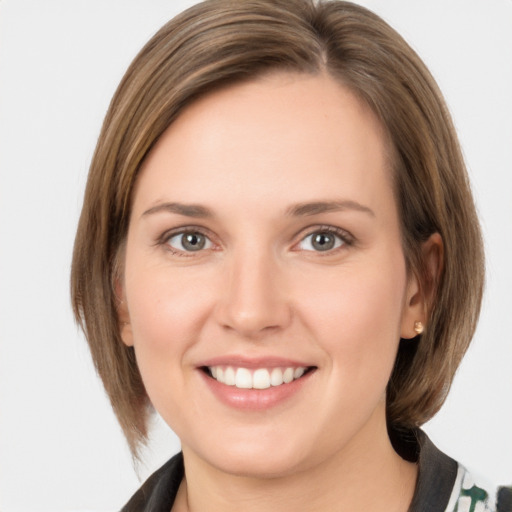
(471,494)
(158,492)
(445,485)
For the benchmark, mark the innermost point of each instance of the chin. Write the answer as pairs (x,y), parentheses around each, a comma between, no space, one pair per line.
(257,459)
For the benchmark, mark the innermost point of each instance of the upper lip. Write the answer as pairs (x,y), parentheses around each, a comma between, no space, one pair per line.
(254,362)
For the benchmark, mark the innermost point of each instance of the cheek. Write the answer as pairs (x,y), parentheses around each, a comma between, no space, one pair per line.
(163,311)
(356,317)
(166,315)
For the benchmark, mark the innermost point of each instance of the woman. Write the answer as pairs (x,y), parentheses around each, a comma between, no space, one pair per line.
(287,263)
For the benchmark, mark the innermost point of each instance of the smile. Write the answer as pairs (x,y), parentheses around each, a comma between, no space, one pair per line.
(255,384)
(258,378)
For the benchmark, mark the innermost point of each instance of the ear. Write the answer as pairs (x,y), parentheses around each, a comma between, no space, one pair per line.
(123,315)
(421,290)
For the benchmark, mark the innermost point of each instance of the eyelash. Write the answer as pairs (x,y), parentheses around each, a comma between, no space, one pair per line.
(189,230)
(347,240)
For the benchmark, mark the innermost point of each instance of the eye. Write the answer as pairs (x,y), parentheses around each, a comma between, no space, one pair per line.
(321,241)
(190,241)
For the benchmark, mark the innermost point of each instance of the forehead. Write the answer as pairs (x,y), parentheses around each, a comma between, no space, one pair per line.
(283,135)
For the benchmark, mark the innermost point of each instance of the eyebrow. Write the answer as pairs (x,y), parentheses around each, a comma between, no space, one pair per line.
(188,210)
(317,207)
(298,210)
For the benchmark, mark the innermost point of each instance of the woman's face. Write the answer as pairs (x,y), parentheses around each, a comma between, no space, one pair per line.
(264,280)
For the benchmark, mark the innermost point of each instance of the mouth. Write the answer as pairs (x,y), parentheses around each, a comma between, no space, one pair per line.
(256,378)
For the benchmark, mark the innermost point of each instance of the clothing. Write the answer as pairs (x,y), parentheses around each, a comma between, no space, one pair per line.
(443,485)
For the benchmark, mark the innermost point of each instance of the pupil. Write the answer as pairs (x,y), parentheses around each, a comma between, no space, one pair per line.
(193,241)
(323,242)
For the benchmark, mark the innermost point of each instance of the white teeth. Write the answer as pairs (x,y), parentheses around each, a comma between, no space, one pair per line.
(261,378)
(298,373)
(243,378)
(288,375)
(229,376)
(276,377)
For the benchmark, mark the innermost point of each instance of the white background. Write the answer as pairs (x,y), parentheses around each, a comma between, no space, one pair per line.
(60,61)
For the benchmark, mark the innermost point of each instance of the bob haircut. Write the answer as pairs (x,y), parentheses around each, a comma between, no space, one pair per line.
(221,42)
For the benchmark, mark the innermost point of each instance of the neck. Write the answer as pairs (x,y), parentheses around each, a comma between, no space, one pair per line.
(367,475)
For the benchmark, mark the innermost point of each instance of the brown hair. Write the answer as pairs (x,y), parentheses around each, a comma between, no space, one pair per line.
(224,41)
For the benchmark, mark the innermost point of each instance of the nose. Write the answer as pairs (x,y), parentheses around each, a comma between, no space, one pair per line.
(254,301)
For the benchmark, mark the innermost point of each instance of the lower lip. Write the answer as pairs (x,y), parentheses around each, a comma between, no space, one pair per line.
(255,399)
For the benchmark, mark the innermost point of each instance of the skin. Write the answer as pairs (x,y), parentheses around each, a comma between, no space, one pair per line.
(251,153)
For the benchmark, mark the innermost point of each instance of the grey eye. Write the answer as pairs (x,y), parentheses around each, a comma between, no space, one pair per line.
(189,242)
(321,241)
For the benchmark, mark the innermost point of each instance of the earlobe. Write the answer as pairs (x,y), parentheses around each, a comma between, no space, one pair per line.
(123,316)
(125,330)
(421,291)
(414,309)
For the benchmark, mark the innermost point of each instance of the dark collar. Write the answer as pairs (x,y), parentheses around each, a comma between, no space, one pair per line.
(158,492)
(436,477)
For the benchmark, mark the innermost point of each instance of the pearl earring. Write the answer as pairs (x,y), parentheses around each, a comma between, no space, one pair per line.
(418,327)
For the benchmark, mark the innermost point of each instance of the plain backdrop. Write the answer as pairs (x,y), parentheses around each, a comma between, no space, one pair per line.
(60,61)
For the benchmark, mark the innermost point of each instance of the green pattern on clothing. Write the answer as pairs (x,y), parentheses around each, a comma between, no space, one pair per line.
(468,496)
(476,495)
